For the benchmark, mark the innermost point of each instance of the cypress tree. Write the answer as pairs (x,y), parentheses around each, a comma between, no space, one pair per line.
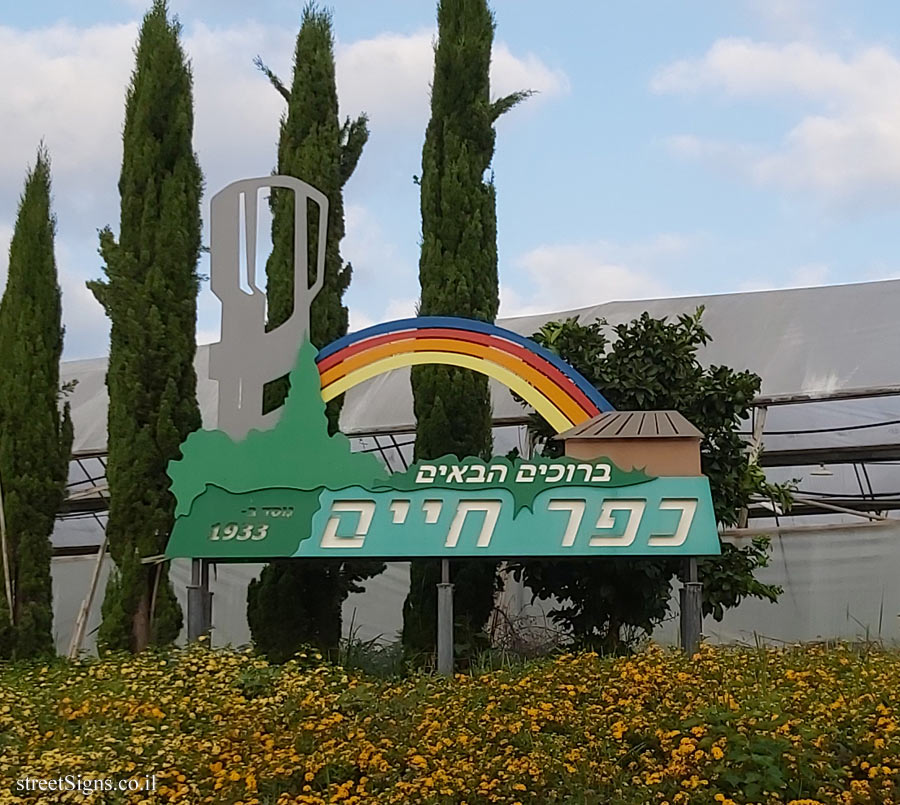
(35,438)
(297,602)
(458,277)
(150,296)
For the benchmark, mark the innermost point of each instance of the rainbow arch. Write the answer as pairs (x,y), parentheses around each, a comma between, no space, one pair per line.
(548,384)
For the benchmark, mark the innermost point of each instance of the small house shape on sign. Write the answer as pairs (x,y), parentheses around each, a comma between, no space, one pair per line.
(662,443)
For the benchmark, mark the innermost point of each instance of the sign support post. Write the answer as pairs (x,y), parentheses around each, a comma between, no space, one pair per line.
(199,601)
(691,599)
(445,621)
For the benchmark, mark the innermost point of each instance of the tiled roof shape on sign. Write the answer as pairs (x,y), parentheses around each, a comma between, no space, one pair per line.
(634,424)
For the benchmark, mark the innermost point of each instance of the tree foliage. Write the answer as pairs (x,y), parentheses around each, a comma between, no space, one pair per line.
(35,438)
(297,602)
(652,364)
(458,277)
(150,296)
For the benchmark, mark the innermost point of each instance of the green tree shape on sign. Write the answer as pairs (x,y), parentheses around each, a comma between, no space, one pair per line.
(297,453)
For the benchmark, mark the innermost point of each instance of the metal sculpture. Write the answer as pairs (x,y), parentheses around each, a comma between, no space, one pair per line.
(248,355)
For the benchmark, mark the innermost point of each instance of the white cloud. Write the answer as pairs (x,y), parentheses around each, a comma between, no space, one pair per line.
(742,67)
(380,275)
(811,275)
(359,321)
(208,335)
(511,73)
(398,308)
(87,327)
(366,245)
(845,144)
(404,308)
(665,245)
(388,77)
(236,110)
(559,277)
(806,276)
(881,270)
(69,85)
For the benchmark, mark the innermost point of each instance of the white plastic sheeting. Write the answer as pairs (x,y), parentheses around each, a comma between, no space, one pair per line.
(840,582)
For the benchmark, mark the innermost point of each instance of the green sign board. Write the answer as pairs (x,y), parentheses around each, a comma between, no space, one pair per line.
(295,491)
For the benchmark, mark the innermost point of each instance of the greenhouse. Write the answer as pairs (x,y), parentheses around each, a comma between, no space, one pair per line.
(827,416)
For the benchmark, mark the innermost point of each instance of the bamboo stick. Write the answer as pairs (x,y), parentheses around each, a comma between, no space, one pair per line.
(87,603)
(7,582)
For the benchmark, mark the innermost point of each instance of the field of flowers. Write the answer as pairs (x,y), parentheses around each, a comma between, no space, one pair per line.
(728,726)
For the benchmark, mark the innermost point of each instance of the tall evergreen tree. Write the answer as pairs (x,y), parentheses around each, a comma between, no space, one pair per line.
(35,438)
(150,296)
(458,277)
(299,601)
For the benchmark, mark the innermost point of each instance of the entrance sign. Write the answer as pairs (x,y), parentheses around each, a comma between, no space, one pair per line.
(659,518)
(275,485)
(295,491)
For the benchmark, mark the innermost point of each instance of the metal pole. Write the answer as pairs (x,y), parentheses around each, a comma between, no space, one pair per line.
(756,444)
(445,621)
(691,595)
(199,601)
(7,583)
(207,596)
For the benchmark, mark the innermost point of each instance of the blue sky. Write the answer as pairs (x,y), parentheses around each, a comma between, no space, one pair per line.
(673,148)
